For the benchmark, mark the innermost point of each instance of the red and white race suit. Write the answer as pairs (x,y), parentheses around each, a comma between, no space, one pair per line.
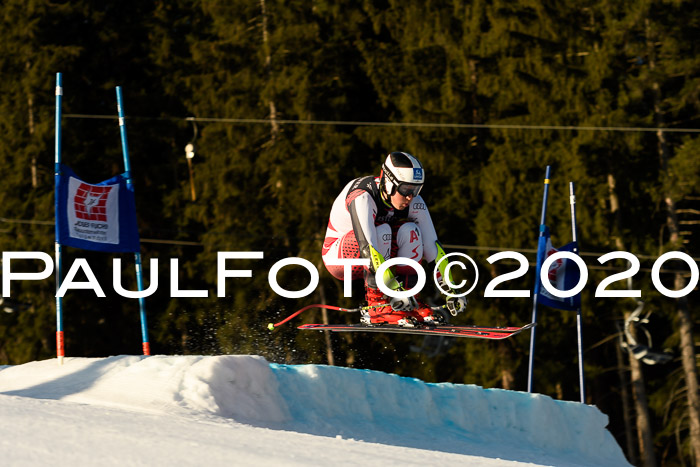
(360,218)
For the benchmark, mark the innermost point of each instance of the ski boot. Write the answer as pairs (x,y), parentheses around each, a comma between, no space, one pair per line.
(427,314)
(380,311)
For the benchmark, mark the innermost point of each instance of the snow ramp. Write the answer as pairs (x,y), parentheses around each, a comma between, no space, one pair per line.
(331,401)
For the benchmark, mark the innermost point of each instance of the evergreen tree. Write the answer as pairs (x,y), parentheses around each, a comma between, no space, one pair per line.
(262,187)
(30,52)
(668,78)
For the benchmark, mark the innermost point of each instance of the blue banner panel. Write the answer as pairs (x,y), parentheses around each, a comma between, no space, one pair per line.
(99,217)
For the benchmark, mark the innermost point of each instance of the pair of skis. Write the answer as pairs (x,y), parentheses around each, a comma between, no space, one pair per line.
(453,330)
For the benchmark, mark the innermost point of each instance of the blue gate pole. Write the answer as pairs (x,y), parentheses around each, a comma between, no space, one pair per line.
(579,329)
(543,229)
(60,349)
(137,256)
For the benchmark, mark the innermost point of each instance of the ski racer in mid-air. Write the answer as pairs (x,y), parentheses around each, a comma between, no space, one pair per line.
(378,218)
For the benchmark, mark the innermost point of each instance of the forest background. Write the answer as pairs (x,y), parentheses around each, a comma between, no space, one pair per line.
(273,95)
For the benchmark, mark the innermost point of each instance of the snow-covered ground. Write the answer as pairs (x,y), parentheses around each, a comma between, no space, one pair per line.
(242,410)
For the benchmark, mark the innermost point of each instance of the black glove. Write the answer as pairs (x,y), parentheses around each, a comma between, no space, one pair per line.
(456,305)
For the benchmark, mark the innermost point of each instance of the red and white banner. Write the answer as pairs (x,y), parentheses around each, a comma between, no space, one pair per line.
(93,211)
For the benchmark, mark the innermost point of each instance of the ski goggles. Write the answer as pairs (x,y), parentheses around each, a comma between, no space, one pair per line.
(409,189)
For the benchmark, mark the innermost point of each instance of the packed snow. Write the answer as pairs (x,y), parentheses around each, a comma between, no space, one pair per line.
(243,410)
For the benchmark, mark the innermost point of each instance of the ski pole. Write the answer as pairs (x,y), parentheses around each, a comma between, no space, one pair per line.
(272,326)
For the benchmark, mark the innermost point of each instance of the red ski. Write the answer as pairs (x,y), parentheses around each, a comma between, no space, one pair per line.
(474,332)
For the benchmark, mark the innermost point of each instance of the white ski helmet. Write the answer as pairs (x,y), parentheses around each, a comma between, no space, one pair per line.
(403,173)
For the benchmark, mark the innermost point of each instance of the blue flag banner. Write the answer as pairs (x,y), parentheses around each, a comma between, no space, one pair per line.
(99,217)
(563,275)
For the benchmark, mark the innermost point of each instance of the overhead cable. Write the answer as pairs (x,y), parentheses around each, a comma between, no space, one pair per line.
(493,126)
